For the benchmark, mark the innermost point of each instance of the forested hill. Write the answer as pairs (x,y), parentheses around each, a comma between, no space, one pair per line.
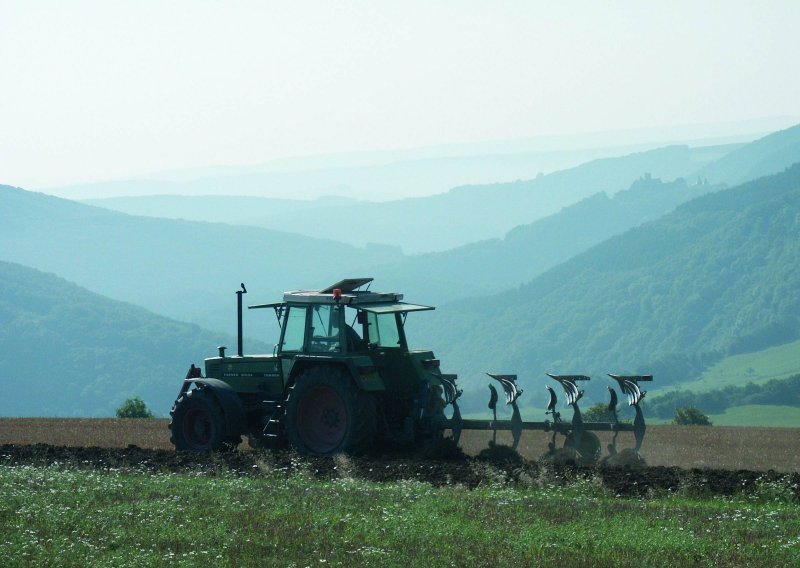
(529,250)
(720,274)
(65,351)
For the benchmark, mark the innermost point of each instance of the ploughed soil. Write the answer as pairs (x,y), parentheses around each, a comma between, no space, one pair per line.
(450,467)
(688,447)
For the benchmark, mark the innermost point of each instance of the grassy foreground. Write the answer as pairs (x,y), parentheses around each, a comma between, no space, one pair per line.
(50,516)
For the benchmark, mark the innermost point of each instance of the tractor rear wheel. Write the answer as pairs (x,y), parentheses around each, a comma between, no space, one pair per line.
(327,414)
(198,423)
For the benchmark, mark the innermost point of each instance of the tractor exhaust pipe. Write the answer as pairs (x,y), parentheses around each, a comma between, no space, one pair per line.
(239,318)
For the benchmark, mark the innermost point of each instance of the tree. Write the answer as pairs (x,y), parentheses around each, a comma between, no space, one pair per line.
(691,416)
(598,412)
(134,408)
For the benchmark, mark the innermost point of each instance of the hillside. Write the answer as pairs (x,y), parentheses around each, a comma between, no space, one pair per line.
(775,362)
(528,250)
(439,222)
(65,351)
(762,157)
(719,275)
(182,269)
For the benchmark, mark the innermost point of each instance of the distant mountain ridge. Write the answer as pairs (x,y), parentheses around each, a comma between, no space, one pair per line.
(419,171)
(440,222)
(485,211)
(182,269)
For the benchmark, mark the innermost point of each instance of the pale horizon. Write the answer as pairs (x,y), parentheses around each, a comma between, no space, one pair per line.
(98,91)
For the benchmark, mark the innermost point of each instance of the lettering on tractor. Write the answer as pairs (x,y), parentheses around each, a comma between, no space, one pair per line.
(342,378)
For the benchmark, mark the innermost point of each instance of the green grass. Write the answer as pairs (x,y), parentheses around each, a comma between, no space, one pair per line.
(53,516)
(758,415)
(778,362)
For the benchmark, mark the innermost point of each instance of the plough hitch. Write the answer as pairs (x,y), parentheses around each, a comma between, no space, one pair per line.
(578,434)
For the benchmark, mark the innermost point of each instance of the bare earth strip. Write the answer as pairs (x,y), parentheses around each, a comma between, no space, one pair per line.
(733,448)
(102,432)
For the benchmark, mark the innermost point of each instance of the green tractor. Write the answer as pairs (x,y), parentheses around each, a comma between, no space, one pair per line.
(341,377)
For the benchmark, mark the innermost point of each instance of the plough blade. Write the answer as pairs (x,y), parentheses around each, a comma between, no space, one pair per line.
(574,431)
(629,384)
(509,384)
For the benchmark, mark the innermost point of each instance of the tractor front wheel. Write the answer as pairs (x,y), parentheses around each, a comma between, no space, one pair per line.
(327,414)
(198,423)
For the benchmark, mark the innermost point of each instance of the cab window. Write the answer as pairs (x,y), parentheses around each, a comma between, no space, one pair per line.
(383,330)
(294,329)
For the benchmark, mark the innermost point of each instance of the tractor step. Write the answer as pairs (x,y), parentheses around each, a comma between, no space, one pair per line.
(273,428)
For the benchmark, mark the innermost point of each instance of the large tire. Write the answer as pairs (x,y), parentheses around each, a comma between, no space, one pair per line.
(198,423)
(327,414)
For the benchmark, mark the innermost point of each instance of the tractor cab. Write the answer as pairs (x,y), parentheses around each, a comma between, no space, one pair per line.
(350,325)
(341,319)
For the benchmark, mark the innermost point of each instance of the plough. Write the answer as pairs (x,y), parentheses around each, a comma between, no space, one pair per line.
(578,434)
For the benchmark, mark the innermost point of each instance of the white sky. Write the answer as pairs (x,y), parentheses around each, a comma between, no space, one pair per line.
(108,89)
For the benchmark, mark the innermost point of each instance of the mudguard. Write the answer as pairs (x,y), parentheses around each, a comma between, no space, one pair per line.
(228,399)
(361,369)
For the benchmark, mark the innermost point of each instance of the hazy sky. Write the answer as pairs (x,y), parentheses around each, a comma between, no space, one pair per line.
(106,89)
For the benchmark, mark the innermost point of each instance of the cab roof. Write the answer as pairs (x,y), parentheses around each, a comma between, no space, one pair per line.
(348,294)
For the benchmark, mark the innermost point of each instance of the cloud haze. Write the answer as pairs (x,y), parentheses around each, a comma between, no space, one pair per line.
(96,90)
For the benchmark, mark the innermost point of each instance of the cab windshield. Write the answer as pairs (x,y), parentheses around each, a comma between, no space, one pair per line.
(324,330)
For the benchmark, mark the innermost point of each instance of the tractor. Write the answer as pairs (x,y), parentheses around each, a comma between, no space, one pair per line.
(342,378)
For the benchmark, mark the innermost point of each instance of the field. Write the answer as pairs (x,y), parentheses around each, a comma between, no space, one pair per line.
(761,414)
(778,362)
(112,492)
(687,447)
